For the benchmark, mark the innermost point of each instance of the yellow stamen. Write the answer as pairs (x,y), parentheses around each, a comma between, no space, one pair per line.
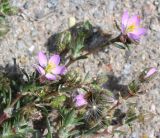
(50,67)
(131,28)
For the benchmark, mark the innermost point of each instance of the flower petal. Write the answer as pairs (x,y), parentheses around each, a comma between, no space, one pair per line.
(80,103)
(50,76)
(140,31)
(40,70)
(55,59)
(64,70)
(151,72)
(134,20)
(59,70)
(42,59)
(80,100)
(133,36)
(125,18)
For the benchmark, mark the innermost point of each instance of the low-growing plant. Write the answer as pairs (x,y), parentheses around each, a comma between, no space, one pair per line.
(56,101)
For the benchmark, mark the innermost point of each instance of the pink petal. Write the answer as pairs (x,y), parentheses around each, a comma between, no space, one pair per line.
(140,31)
(134,20)
(80,100)
(42,59)
(125,18)
(133,36)
(55,59)
(40,70)
(50,76)
(64,70)
(79,96)
(151,72)
(80,103)
(58,70)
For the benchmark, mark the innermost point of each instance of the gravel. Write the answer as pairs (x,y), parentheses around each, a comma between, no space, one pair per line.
(39,19)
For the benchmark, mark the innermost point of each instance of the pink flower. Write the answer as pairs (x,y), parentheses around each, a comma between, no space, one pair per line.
(80,100)
(148,74)
(49,69)
(131,27)
(151,72)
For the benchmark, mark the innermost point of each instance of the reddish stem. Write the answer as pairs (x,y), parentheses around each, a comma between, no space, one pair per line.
(3,117)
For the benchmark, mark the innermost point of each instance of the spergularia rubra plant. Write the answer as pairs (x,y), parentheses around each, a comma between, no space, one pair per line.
(51,106)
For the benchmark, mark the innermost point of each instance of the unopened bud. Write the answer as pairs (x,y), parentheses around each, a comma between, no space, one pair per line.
(148,74)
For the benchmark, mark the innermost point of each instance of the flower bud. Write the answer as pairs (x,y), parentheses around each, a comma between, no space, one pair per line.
(148,74)
(80,100)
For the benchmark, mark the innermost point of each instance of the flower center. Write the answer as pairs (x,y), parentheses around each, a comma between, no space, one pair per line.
(50,67)
(131,28)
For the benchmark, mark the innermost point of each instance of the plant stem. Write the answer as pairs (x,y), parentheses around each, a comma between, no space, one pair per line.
(116,39)
(49,135)
(118,103)
(49,95)
(71,60)
(3,117)
(17,98)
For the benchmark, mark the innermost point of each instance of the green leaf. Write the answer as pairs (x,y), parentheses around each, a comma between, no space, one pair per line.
(119,132)
(81,57)
(75,132)
(20,127)
(7,9)
(49,135)
(133,87)
(63,41)
(86,77)
(128,47)
(92,130)
(69,122)
(120,45)
(4,27)
(101,89)
(131,115)
(78,47)
(58,101)
(130,119)
(69,118)
(87,25)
